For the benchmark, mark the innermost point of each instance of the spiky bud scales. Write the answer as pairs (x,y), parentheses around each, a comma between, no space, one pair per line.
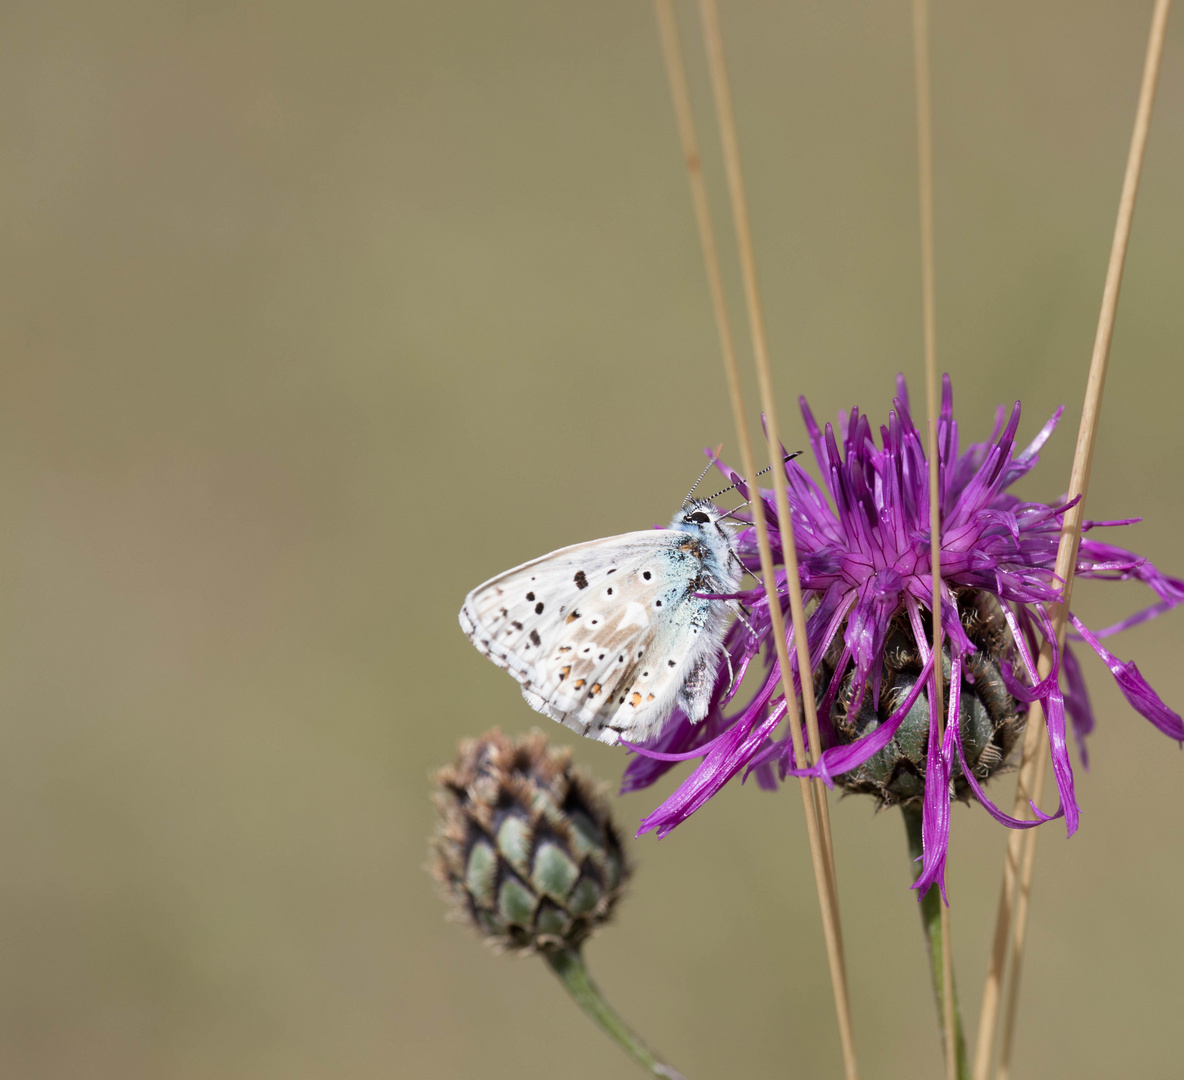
(989,720)
(525,849)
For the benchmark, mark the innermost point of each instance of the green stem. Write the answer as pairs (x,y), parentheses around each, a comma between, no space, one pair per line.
(931,922)
(568,964)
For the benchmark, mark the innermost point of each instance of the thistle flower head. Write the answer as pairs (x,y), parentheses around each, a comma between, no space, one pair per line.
(862,543)
(525,849)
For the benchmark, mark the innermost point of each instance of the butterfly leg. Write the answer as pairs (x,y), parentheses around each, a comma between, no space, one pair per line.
(738,608)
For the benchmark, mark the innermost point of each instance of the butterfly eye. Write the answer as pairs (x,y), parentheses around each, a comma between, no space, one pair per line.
(698,517)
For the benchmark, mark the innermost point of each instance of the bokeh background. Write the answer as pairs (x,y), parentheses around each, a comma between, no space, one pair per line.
(316,315)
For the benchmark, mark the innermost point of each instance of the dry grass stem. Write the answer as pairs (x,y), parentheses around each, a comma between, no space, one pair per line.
(1022,904)
(929,315)
(823,878)
(713,42)
(989,1010)
(1034,763)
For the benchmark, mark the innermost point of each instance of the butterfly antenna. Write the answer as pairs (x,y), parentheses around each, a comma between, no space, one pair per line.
(706,470)
(712,498)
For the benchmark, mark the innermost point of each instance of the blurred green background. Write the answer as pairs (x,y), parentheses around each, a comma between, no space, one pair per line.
(315,316)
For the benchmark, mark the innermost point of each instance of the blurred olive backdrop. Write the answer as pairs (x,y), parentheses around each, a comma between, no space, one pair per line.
(315,316)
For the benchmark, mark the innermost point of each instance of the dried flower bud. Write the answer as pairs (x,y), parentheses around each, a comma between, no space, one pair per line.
(525,850)
(988,719)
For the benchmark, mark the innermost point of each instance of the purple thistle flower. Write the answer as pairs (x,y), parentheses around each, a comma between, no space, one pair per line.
(863,551)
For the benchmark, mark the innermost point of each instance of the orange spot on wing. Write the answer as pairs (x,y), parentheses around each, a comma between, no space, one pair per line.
(649,697)
(595,689)
(564,672)
(578,684)
(635,700)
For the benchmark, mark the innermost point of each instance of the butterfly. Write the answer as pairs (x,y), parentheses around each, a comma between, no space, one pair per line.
(609,636)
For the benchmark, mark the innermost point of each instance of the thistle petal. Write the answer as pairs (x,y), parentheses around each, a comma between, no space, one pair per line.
(1145,701)
(1081,713)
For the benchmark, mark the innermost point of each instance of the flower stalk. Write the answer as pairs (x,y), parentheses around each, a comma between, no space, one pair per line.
(931,911)
(569,967)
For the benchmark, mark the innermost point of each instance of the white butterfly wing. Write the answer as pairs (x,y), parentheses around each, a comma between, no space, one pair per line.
(604,635)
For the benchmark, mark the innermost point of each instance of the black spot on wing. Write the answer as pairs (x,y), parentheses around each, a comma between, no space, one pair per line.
(530,595)
(534,636)
(646,574)
(580,580)
(538,608)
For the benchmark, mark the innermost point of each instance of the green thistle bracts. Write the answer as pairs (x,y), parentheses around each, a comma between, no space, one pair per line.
(989,721)
(525,849)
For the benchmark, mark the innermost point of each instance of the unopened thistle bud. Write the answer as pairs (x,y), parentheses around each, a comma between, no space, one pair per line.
(525,850)
(989,720)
